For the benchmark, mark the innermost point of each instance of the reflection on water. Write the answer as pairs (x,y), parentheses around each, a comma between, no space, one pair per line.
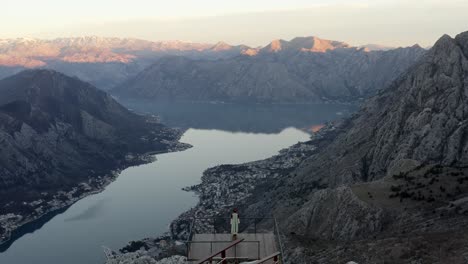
(258,118)
(93,211)
(28,228)
(142,201)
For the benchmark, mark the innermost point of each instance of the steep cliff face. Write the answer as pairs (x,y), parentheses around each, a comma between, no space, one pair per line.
(336,206)
(302,70)
(57,132)
(421,117)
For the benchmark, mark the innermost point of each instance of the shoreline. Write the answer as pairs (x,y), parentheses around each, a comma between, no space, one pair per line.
(101,183)
(222,185)
(171,244)
(354,102)
(51,211)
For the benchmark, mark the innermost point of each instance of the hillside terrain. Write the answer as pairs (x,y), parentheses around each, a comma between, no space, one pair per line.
(305,70)
(62,139)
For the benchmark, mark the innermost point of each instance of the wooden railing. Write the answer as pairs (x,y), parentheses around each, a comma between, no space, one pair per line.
(222,252)
(222,225)
(251,223)
(193,244)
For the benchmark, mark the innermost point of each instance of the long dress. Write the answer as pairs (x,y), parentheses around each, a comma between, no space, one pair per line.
(235,221)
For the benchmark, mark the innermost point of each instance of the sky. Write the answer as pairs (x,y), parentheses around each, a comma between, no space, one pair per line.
(251,22)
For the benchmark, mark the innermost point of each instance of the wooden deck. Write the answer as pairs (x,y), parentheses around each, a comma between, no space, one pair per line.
(254,246)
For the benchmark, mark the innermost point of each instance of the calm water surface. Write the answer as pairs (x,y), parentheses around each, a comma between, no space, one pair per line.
(144,199)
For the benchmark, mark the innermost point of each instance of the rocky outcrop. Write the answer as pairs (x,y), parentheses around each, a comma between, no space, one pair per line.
(336,214)
(420,117)
(302,70)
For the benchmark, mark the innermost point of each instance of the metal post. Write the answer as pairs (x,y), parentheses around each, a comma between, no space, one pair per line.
(278,234)
(258,249)
(223,256)
(235,252)
(255,226)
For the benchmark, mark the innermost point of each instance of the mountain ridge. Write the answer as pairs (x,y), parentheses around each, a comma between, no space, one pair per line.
(62,139)
(305,44)
(273,74)
(108,62)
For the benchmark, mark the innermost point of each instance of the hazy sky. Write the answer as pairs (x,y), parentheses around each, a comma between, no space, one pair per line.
(252,22)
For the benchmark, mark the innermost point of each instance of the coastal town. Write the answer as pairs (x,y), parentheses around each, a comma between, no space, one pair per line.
(53,202)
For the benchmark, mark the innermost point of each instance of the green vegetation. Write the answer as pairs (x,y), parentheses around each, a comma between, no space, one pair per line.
(430,183)
(134,246)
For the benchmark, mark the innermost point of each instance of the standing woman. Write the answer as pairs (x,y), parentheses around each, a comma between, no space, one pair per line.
(235,221)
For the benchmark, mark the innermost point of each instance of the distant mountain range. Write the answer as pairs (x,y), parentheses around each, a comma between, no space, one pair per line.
(37,52)
(28,52)
(305,69)
(104,62)
(302,69)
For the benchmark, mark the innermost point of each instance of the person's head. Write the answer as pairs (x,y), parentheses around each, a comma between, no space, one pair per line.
(235,210)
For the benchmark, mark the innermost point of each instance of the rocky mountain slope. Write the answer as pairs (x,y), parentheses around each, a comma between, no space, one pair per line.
(393,178)
(305,69)
(105,62)
(61,139)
